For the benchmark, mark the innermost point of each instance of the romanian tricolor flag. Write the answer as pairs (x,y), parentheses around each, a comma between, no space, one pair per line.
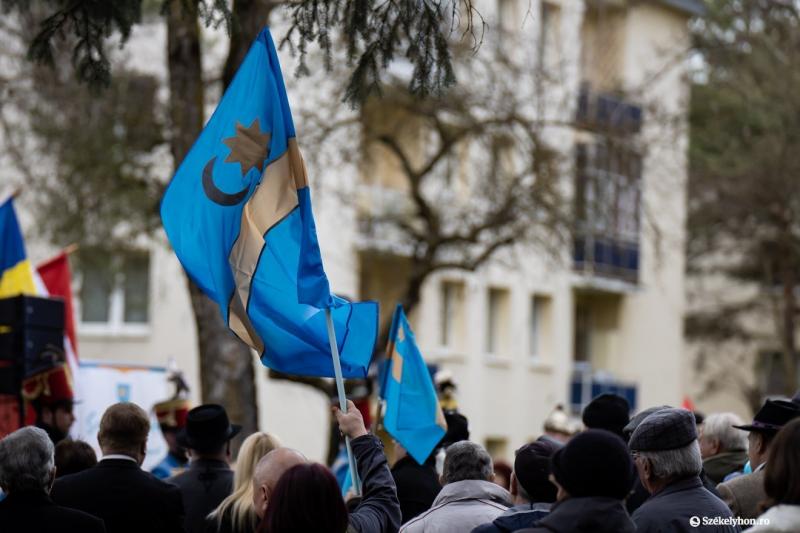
(16,273)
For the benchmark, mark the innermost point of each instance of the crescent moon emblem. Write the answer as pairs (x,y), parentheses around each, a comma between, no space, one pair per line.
(214,194)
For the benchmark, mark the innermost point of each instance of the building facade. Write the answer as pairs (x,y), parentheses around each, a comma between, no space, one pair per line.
(527,330)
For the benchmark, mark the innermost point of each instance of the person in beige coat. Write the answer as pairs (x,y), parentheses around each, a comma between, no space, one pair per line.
(744,494)
(468,498)
(782,484)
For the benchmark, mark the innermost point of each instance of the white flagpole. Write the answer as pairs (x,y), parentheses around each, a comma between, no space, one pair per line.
(337,370)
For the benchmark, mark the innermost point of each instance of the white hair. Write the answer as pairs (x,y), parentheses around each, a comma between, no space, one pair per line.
(675,464)
(26,460)
(467,460)
(719,427)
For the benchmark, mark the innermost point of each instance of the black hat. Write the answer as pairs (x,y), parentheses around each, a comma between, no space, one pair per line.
(532,469)
(607,411)
(594,463)
(772,416)
(207,428)
(457,428)
(666,429)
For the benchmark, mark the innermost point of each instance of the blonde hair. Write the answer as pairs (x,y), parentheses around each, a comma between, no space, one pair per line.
(240,503)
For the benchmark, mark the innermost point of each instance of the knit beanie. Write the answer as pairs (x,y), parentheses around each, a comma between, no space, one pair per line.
(594,463)
(607,411)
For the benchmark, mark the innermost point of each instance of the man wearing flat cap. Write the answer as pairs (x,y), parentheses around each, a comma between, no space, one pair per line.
(743,494)
(667,457)
(209,478)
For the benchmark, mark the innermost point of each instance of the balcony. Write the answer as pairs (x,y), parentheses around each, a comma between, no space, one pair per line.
(607,113)
(587,384)
(604,256)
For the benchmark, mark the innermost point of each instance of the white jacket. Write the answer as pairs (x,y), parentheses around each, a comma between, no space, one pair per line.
(778,519)
(460,507)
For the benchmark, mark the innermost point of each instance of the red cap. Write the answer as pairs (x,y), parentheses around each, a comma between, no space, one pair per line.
(50,387)
(172,413)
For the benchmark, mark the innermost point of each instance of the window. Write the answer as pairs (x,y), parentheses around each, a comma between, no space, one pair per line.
(539,327)
(114,294)
(497,447)
(549,35)
(507,19)
(608,205)
(583,333)
(451,319)
(497,322)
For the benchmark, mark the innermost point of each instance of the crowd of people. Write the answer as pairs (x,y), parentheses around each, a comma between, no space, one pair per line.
(664,469)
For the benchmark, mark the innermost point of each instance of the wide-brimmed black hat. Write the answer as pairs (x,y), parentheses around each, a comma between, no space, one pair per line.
(772,416)
(207,428)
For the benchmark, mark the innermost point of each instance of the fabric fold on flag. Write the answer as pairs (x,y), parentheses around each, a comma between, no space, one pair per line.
(238,215)
(412,414)
(56,279)
(16,273)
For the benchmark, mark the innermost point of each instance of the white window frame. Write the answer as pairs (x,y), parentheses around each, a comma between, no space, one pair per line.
(116,326)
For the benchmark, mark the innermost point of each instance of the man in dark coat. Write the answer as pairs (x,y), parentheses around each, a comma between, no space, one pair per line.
(667,457)
(127,498)
(593,473)
(209,478)
(417,484)
(531,488)
(26,475)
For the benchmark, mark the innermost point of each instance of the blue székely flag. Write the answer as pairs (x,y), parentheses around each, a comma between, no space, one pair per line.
(412,412)
(238,215)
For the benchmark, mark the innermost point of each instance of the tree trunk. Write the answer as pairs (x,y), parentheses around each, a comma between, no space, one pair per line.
(789,310)
(249,17)
(226,369)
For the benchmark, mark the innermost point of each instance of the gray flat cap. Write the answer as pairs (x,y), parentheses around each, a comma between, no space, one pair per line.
(666,429)
(639,417)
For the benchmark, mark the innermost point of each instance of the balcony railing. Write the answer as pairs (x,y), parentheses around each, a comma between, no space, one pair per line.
(607,113)
(599,255)
(586,385)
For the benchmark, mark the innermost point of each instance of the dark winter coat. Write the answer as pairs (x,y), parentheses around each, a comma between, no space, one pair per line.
(671,510)
(379,509)
(585,515)
(417,486)
(517,517)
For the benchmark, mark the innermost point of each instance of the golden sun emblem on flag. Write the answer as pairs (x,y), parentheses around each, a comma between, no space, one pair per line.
(250,148)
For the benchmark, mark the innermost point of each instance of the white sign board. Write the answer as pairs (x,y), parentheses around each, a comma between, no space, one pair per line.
(104,384)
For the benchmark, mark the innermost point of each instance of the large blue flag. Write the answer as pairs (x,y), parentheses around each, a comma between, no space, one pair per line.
(238,215)
(412,413)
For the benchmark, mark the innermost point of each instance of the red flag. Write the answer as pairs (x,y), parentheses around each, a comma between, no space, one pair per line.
(56,277)
(688,404)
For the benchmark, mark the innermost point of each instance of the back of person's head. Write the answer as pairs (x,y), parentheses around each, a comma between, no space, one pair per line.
(240,502)
(502,474)
(73,456)
(782,473)
(607,411)
(595,463)
(26,461)
(457,428)
(123,429)
(532,471)
(268,470)
(306,498)
(466,460)
(718,431)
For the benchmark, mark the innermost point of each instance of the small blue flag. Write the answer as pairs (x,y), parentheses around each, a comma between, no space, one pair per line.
(413,415)
(238,215)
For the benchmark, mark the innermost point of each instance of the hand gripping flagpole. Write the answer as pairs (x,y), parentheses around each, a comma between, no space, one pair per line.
(337,370)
